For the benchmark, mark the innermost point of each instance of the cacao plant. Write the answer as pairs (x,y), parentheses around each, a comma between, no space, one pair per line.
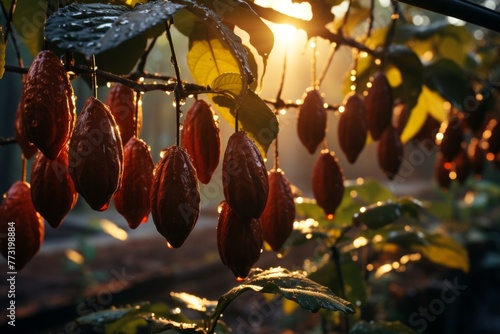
(239,240)
(200,138)
(18,217)
(48,113)
(52,190)
(352,127)
(476,157)
(132,200)
(311,120)
(378,105)
(95,155)
(442,169)
(279,214)
(121,100)
(461,165)
(244,176)
(491,135)
(328,182)
(390,152)
(450,138)
(27,147)
(175,196)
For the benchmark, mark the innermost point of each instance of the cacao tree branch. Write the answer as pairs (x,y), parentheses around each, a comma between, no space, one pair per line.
(144,57)
(280,104)
(8,29)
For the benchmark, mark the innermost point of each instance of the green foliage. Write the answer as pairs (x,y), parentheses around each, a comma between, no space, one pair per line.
(380,327)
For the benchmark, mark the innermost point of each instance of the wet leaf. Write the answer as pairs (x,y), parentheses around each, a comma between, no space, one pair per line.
(377,215)
(445,251)
(227,83)
(447,78)
(193,302)
(380,327)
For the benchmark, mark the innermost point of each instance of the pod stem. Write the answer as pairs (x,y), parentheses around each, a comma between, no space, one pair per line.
(178,90)
(23,168)
(136,114)
(94,76)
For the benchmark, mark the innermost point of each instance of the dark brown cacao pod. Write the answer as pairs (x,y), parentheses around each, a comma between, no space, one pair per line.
(352,127)
(96,155)
(428,131)
(461,165)
(175,196)
(27,147)
(239,241)
(244,176)
(390,152)
(132,200)
(328,182)
(279,214)
(476,157)
(52,189)
(200,138)
(49,108)
(450,138)
(311,121)
(442,171)
(122,103)
(378,105)
(21,227)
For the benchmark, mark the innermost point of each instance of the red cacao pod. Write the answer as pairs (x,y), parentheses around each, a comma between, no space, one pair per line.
(27,147)
(450,138)
(49,108)
(352,127)
(200,138)
(52,190)
(311,121)
(132,200)
(21,227)
(328,182)
(442,169)
(239,241)
(390,152)
(175,196)
(279,214)
(96,155)
(378,105)
(476,156)
(462,166)
(244,176)
(122,103)
(428,131)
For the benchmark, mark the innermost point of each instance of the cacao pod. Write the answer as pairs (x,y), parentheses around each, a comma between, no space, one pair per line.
(96,155)
(279,214)
(400,116)
(122,103)
(27,147)
(450,138)
(378,105)
(390,152)
(476,110)
(328,182)
(49,109)
(428,131)
(52,190)
(462,166)
(492,135)
(244,176)
(200,138)
(132,200)
(20,223)
(442,169)
(311,120)
(476,156)
(175,196)
(239,241)
(352,127)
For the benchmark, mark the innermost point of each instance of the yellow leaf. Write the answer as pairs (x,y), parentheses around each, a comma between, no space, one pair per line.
(289,306)
(445,251)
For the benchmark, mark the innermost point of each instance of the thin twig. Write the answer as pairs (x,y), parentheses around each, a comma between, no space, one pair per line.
(94,77)
(313,62)
(12,36)
(136,114)
(8,17)
(326,66)
(178,91)
(144,57)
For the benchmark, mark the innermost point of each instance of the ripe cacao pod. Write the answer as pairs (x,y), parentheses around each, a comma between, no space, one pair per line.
(311,120)
(21,227)
(476,156)
(175,196)
(279,214)
(378,105)
(442,169)
(400,116)
(96,155)
(200,138)
(462,166)
(328,182)
(352,127)
(390,152)
(239,241)
(132,200)
(122,103)
(52,190)
(49,109)
(27,147)
(244,176)
(450,138)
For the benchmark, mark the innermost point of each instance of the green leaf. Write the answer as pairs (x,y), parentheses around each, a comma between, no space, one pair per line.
(411,206)
(95,28)
(193,302)
(227,83)
(254,116)
(162,325)
(380,327)
(2,54)
(291,285)
(447,78)
(377,215)
(445,251)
